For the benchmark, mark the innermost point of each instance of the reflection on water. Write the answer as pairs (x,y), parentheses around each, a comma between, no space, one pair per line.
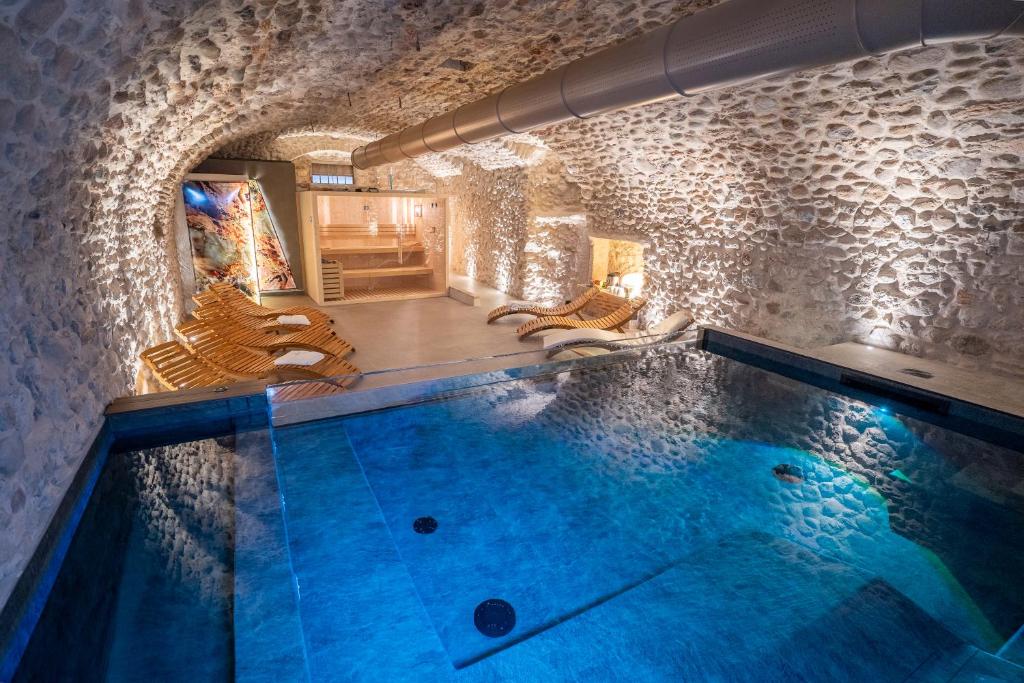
(622,472)
(676,516)
(145,592)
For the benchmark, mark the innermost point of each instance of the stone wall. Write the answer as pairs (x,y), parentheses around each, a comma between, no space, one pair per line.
(556,258)
(519,227)
(489,228)
(878,201)
(84,269)
(881,201)
(104,106)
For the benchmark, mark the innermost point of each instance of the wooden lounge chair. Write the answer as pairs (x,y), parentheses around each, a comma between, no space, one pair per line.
(243,363)
(315,338)
(306,389)
(526,308)
(178,368)
(231,296)
(208,301)
(210,306)
(668,329)
(613,321)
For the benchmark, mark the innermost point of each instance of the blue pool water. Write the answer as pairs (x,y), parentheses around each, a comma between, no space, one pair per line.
(633,515)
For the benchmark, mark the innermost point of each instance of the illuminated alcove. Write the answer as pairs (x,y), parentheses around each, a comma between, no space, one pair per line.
(617,265)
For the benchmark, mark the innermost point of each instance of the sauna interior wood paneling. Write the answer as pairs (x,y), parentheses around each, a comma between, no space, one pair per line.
(374,246)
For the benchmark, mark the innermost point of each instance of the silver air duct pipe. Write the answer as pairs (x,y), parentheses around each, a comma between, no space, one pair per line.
(734,42)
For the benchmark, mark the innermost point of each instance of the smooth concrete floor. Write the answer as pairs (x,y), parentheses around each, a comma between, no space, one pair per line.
(419,332)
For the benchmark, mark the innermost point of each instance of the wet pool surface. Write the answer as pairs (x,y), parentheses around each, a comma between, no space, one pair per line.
(675,516)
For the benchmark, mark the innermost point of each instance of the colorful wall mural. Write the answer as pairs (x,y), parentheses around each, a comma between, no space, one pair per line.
(273,268)
(234,238)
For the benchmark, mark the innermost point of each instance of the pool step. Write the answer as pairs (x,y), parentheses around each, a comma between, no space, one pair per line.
(967,664)
(463,295)
(361,616)
(1013,649)
(269,645)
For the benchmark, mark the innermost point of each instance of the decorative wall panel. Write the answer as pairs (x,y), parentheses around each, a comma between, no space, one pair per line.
(220,230)
(272,266)
(234,238)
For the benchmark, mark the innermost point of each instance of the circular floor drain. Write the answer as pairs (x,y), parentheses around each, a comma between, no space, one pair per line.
(494,618)
(424,525)
(791,474)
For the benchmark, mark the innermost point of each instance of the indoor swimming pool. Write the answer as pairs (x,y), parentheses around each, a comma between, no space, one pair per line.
(659,515)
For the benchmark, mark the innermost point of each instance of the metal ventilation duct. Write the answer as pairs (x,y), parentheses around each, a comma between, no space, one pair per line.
(734,42)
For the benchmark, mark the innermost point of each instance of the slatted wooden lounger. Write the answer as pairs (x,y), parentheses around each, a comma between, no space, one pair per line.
(208,300)
(178,368)
(613,321)
(568,308)
(212,308)
(306,389)
(667,330)
(316,338)
(243,304)
(244,363)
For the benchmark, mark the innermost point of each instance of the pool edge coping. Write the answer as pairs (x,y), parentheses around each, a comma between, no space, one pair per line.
(976,420)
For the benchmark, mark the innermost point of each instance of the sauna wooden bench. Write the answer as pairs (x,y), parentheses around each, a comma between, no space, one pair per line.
(393,249)
(397,271)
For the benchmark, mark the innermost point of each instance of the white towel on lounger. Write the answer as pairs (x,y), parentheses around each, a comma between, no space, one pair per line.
(292,320)
(299,358)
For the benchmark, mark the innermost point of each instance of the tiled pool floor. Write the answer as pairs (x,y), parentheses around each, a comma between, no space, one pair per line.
(634,514)
(365,614)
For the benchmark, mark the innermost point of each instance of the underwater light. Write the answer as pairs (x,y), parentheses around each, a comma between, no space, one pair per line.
(898,474)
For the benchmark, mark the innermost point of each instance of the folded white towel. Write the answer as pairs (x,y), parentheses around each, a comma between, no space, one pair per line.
(299,358)
(292,320)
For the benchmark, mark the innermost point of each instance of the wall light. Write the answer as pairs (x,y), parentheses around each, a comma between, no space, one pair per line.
(633,283)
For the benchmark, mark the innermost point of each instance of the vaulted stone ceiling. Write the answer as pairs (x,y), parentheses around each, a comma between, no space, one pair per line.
(878,201)
(105,104)
(881,200)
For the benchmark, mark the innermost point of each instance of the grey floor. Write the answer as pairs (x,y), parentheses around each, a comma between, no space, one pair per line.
(440,331)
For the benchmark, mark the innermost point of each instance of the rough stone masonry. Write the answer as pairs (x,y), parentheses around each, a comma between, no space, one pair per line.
(881,201)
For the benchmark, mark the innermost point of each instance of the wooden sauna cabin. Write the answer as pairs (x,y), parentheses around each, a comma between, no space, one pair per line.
(373,246)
